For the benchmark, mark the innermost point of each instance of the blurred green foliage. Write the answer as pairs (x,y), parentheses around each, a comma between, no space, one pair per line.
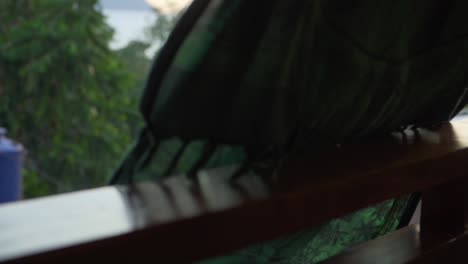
(69,98)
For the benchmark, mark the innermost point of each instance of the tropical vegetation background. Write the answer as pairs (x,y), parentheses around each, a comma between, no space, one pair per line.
(67,93)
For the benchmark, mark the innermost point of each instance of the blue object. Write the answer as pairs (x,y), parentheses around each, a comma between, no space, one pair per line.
(10,168)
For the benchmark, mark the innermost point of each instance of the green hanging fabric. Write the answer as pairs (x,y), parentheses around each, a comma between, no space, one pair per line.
(243,82)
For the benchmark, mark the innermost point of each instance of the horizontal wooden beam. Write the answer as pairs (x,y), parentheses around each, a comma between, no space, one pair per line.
(398,247)
(180,220)
(404,246)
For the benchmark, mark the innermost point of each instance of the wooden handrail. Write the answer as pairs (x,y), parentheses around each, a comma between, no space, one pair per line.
(404,246)
(181,221)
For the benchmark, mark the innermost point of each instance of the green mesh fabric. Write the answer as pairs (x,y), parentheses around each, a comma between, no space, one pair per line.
(249,82)
(312,246)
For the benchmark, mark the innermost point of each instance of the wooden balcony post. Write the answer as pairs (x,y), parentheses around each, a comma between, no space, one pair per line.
(443,212)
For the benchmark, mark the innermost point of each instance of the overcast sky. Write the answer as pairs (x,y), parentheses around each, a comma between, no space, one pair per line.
(125,4)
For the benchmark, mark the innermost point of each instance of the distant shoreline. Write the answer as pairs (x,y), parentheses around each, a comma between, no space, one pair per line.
(127,9)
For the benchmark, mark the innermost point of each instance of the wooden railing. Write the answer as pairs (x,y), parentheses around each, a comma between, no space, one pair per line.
(181,221)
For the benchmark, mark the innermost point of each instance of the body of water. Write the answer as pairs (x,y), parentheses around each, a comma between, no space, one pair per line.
(128,24)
